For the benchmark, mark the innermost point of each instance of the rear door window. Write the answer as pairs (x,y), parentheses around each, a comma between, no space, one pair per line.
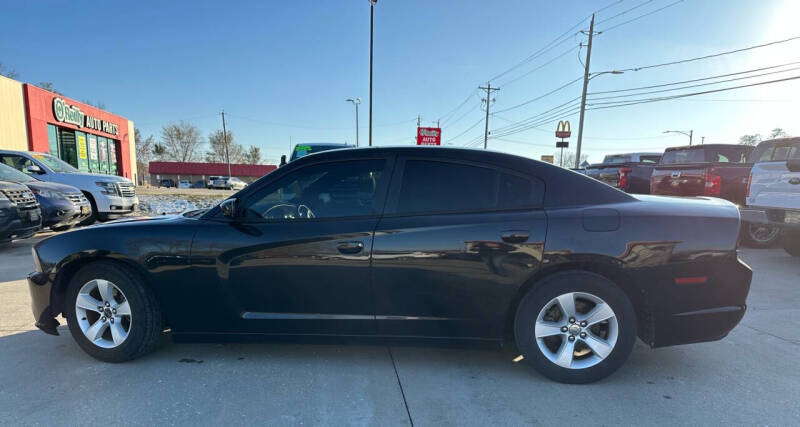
(440,186)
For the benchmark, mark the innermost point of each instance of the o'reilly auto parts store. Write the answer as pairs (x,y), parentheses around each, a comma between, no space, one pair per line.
(90,139)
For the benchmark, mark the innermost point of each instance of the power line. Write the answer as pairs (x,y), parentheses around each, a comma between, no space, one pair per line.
(541,96)
(640,17)
(695,80)
(554,59)
(446,117)
(613,104)
(683,61)
(625,11)
(465,131)
(696,85)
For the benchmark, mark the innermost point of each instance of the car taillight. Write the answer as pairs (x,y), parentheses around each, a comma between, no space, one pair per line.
(713,184)
(749,180)
(623,177)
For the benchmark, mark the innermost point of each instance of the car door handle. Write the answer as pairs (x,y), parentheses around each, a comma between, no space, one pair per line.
(516,236)
(350,247)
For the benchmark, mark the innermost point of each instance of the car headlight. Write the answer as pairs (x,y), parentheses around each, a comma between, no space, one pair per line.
(107,187)
(48,194)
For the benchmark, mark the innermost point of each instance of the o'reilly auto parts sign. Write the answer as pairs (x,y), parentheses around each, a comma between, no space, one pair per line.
(74,116)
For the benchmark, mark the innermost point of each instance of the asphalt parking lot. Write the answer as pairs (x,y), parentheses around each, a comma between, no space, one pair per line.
(751,377)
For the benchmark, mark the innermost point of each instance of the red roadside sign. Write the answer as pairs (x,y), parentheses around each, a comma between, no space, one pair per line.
(429,136)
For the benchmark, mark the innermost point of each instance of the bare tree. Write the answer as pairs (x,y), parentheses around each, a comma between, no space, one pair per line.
(569,158)
(48,86)
(8,72)
(753,139)
(253,155)
(181,141)
(96,104)
(778,133)
(144,153)
(216,148)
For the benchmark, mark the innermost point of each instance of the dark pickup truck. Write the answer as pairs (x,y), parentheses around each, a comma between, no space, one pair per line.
(628,172)
(717,170)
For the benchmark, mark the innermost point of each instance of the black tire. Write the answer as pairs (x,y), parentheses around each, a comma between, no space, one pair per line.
(561,283)
(791,243)
(91,219)
(759,236)
(147,321)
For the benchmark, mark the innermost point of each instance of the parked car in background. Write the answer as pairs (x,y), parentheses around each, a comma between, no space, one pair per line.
(229,183)
(62,206)
(166,183)
(184,183)
(211,179)
(717,170)
(380,243)
(199,184)
(773,191)
(110,196)
(20,216)
(628,172)
(301,150)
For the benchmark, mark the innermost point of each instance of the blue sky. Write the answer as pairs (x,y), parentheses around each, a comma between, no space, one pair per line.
(284,69)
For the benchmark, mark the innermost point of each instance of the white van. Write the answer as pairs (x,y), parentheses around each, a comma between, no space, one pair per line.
(773,190)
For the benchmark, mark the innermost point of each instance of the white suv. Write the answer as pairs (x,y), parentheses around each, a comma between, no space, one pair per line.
(773,190)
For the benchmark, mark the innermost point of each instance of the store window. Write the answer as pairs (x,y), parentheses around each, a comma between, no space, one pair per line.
(83,157)
(102,144)
(94,162)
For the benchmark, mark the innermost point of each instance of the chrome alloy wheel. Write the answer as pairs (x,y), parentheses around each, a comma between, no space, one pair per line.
(103,313)
(576,330)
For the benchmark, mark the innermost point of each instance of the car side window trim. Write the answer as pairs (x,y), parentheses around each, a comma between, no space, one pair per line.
(393,196)
(379,196)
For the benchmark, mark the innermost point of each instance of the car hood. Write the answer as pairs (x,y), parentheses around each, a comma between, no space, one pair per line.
(52,186)
(88,176)
(9,185)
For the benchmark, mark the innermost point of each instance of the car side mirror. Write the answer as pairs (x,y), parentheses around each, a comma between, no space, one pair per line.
(230,208)
(34,169)
(793,165)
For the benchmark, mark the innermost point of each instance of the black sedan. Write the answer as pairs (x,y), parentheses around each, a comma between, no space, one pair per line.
(408,243)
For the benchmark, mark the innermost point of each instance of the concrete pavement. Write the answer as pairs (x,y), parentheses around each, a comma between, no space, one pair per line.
(751,377)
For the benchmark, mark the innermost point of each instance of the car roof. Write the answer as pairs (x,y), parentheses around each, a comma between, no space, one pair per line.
(694,147)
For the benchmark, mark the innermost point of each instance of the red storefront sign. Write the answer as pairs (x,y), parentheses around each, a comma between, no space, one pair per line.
(429,136)
(44,107)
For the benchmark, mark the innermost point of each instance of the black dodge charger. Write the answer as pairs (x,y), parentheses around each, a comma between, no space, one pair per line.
(408,243)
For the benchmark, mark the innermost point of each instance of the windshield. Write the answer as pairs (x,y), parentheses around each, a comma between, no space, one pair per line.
(708,154)
(7,173)
(301,150)
(57,165)
(615,160)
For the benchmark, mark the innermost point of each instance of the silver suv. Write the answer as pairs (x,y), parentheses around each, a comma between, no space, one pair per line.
(110,196)
(773,190)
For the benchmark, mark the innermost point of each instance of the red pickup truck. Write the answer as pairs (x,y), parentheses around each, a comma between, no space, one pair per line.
(717,170)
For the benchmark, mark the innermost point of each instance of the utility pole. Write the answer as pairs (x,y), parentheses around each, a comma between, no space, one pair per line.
(418,120)
(691,132)
(488,88)
(371,16)
(702,140)
(583,96)
(225,141)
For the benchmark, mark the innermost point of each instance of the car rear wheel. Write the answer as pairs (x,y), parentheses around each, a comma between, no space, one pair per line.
(759,235)
(111,313)
(575,327)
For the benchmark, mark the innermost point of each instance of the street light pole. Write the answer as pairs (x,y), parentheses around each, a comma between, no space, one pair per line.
(225,141)
(689,134)
(355,102)
(371,19)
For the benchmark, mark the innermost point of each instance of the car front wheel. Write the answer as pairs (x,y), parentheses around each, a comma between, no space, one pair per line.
(111,313)
(760,235)
(575,327)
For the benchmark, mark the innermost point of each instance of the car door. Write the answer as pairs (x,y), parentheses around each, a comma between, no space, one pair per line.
(456,242)
(298,260)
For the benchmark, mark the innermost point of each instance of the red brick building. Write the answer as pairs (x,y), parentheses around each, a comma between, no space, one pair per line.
(193,172)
